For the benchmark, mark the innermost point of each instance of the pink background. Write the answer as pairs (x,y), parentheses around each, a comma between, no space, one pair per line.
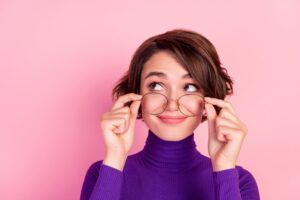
(60,59)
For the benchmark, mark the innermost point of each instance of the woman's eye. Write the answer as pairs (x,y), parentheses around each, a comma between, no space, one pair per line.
(155,86)
(193,87)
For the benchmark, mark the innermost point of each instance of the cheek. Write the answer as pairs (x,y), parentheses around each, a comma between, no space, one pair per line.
(150,120)
(143,88)
(195,120)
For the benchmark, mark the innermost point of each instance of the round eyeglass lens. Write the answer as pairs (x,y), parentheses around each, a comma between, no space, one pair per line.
(191,104)
(154,103)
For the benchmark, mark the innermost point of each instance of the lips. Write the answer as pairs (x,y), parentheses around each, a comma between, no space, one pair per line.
(172,119)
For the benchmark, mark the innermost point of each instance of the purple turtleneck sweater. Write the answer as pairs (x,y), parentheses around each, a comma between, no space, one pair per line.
(168,170)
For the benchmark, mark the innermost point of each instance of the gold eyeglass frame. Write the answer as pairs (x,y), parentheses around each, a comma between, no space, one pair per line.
(177,102)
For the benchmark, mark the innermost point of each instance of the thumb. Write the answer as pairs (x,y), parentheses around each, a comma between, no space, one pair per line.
(211,118)
(134,108)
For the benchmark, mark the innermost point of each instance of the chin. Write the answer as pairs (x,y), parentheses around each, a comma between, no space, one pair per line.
(171,135)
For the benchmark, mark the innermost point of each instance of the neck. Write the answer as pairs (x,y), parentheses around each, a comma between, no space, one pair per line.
(169,155)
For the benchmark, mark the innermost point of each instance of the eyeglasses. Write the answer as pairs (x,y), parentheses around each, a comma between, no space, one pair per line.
(189,104)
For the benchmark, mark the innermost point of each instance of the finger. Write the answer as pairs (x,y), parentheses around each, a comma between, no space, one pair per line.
(225,113)
(125,116)
(229,133)
(134,108)
(210,111)
(221,121)
(124,111)
(117,110)
(122,100)
(131,113)
(234,141)
(134,112)
(221,103)
(211,118)
(117,125)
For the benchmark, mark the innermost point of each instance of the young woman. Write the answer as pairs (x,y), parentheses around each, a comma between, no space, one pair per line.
(174,83)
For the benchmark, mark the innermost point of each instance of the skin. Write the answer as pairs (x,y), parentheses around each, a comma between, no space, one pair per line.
(173,86)
(226,131)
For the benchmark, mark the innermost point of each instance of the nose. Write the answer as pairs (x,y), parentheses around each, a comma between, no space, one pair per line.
(172,102)
(172,105)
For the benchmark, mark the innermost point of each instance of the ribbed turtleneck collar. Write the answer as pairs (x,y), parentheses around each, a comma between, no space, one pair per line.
(173,156)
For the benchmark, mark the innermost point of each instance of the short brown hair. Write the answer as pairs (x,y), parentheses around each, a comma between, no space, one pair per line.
(193,51)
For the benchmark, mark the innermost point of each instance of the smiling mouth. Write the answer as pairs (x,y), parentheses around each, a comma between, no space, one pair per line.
(171,119)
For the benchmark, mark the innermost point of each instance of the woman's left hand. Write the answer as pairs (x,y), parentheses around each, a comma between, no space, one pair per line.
(226,134)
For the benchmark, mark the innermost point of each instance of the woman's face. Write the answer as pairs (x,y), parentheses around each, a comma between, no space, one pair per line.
(163,74)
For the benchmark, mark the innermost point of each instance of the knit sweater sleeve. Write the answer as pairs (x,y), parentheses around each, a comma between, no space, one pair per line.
(102,182)
(235,184)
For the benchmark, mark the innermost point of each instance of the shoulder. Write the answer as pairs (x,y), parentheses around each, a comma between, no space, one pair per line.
(246,178)
(243,172)
(96,165)
(93,169)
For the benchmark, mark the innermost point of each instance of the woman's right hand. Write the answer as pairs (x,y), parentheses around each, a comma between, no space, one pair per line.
(118,128)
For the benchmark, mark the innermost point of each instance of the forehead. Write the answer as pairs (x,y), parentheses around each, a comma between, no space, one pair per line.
(163,62)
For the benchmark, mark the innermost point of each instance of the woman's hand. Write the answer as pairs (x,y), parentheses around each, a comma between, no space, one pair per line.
(226,134)
(118,129)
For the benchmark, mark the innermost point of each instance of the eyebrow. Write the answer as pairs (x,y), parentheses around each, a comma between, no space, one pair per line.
(163,75)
